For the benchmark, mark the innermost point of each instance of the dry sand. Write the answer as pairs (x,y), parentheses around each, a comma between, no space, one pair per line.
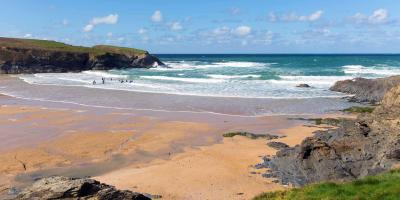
(220,171)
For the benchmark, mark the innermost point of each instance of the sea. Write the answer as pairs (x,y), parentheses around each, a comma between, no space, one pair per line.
(237,85)
(233,76)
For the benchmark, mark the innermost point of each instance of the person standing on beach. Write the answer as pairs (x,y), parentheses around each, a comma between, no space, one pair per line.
(103,80)
(94,82)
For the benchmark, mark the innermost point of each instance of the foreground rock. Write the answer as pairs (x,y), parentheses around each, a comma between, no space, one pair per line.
(366,90)
(41,56)
(68,188)
(364,146)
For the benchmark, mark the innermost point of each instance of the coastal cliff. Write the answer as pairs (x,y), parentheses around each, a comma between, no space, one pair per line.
(42,56)
(356,148)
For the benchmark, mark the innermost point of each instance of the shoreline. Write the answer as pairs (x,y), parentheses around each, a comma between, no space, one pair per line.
(139,101)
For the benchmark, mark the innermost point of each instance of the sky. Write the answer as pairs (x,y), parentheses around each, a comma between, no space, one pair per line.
(211,26)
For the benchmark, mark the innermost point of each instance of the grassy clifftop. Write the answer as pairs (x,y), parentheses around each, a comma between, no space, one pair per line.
(58,46)
(385,186)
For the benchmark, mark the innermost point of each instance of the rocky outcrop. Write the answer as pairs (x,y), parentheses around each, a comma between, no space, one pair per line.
(68,188)
(358,147)
(277,145)
(303,85)
(366,90)
(38,56)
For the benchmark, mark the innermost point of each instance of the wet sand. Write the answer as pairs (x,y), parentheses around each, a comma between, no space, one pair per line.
(177,155)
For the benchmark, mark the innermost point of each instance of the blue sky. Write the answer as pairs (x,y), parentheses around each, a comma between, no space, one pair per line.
(211,26)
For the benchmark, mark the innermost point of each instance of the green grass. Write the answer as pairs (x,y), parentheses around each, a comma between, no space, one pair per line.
(120,50)
(359,109)
(385,186)
(58,46)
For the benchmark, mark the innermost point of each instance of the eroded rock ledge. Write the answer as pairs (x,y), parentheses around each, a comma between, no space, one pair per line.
(41,56)
(364,146)
(58,187)
(366,90)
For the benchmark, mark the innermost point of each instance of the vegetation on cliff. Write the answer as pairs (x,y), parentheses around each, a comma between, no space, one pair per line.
(59,46)
(385,186)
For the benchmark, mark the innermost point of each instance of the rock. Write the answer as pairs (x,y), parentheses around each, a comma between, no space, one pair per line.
(303,85)
(41,56)
(74,188)
(277,145)
(252,135)
(358,147)
(366,90)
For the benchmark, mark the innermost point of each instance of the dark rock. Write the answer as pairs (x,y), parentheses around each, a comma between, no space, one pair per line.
(303,85)
(358,147)
(277,145)
(366,90)
(73,189)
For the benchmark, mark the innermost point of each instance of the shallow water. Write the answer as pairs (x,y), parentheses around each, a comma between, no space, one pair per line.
(169,103)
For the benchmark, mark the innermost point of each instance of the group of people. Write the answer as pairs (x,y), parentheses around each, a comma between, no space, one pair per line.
(103,81)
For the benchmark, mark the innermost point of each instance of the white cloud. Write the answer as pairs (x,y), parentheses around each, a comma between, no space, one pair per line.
(380,16)
(242,30)
(28,35)
(176,26)
(142,31)
(157,16)
(314,16)
(88,28)
(221,30)
(109,19)
(110,34)
(293,17)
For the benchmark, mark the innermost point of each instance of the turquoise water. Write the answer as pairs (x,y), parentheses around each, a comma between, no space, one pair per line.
(244,76)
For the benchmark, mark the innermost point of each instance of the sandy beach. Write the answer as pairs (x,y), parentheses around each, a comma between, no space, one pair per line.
(175,157)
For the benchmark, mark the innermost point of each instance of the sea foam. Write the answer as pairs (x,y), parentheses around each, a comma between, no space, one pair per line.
(375,70)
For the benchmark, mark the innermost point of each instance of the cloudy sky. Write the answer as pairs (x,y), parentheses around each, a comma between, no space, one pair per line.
(211,26)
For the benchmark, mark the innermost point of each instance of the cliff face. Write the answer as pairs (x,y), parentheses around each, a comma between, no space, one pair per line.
(366,90)
(360,147)
(37,56)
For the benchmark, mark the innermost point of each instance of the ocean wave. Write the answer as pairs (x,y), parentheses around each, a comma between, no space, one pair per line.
(311,80)
(104,74)
(191,65)
(189,80)
(239,64)
(220,76)
(359,69)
